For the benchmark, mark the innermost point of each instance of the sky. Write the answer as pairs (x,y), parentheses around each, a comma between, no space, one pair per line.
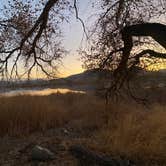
(73,33)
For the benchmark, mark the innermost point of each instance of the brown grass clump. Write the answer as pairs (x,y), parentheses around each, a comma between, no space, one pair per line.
(135,133)
(21,115)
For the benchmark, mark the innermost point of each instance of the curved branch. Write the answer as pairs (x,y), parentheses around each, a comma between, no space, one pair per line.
(42,21)
(119,10)
(77,17)
(151,53)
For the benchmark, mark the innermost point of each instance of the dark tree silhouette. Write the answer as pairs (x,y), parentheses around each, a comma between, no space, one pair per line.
(105,49)
(156,30)
(32,34)
(112,39)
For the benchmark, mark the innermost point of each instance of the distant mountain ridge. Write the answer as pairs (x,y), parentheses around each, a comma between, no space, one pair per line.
(89,77)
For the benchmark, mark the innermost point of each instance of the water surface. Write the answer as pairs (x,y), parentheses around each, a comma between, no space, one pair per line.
(38,92)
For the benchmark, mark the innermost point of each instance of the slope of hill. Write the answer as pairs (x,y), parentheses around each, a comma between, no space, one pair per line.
(87,77)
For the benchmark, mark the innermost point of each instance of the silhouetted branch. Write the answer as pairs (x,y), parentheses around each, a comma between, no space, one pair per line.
(77,17)
(28,46)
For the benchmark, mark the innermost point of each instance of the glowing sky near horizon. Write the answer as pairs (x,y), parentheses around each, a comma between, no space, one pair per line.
(73,33)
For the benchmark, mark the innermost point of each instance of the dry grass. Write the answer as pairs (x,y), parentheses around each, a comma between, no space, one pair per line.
(21,115)
(132,130)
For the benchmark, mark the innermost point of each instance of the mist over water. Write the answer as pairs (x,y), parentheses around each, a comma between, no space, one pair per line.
(38,92)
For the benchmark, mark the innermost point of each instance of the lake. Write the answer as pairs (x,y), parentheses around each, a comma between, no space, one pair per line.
(38,92)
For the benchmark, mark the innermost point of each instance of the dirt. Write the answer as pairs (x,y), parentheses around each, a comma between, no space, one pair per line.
(17,151)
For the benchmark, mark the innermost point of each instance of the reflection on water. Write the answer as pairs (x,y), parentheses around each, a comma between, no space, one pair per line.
(36,92)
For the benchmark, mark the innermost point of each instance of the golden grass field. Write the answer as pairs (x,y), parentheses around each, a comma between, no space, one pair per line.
(22,115)
(127,129)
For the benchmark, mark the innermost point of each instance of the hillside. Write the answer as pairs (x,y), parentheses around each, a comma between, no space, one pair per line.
(89,77)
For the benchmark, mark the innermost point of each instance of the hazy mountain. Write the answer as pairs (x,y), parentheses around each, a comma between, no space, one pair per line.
(84,78)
